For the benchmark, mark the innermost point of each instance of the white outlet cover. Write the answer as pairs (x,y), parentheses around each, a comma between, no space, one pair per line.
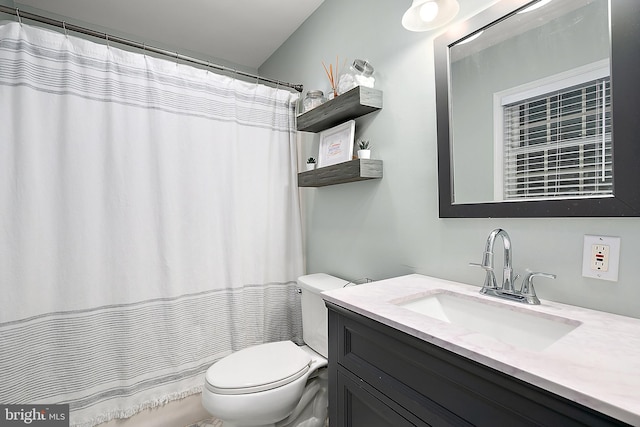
(614,257)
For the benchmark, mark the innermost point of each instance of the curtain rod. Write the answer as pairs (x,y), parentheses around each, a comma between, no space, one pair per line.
(110,38)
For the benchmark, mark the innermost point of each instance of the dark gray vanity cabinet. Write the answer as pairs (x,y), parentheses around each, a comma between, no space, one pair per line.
(379,376)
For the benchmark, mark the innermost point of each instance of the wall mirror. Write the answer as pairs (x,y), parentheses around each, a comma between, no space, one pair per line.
(538,106)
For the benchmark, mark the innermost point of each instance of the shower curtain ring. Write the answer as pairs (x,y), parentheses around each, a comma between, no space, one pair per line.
(106,36)
(19,17)
(176,59)
(64,27)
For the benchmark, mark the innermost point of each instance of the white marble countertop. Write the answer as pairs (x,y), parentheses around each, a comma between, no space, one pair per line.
(597,364)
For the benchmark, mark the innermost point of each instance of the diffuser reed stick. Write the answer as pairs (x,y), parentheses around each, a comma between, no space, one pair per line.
(332,76)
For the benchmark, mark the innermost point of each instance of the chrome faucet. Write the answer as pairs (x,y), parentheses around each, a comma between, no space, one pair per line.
(507,290)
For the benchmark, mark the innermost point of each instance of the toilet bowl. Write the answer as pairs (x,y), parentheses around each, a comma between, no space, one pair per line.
(263,391)
(279,383)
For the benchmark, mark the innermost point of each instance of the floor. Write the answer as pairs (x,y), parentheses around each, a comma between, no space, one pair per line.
(187,412)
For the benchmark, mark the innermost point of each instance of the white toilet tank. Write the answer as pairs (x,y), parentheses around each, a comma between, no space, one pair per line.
(314,312)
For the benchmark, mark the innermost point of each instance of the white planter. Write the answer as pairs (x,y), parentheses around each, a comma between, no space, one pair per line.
(364,154)
(311,166)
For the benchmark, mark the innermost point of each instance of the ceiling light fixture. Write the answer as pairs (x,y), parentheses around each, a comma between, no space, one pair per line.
(426,15)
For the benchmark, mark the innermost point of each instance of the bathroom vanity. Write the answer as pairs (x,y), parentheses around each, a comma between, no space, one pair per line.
(390,364)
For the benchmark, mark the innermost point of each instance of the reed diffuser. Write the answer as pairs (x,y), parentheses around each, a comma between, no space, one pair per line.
(332,75)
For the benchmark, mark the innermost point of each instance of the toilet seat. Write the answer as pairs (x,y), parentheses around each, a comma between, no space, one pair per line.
(258,368)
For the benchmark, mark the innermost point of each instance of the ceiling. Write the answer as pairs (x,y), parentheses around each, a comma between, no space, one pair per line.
(240,32)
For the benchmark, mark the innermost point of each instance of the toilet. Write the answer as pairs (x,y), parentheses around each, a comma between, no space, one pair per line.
(277,384)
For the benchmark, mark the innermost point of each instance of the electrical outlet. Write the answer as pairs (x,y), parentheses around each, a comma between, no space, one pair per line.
(600,258)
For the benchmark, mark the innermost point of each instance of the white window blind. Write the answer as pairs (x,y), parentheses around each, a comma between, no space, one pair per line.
(559,144)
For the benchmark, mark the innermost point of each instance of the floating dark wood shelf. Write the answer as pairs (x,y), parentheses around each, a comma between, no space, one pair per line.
(351,171)
(350,105)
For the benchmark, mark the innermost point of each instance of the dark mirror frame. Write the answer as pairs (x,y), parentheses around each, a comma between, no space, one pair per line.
(625,98)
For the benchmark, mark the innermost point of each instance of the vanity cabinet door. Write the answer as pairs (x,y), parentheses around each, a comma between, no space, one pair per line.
(361,406)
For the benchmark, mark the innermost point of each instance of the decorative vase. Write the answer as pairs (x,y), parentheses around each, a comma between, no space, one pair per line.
(311,166)
(364,154)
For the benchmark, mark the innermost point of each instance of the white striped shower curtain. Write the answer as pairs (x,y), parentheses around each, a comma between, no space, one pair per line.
(149,223)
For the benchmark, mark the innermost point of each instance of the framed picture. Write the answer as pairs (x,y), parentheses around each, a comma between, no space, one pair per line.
(336,144)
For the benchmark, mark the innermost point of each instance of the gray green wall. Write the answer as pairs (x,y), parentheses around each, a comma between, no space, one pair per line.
(380,229)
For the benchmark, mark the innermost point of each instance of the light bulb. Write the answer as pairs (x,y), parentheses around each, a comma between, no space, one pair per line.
(429,11)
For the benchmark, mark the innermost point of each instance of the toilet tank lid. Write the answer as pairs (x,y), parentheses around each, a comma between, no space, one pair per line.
(259,367)
(320,282)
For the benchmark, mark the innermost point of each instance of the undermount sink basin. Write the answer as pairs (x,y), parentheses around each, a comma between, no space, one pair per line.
(516,326)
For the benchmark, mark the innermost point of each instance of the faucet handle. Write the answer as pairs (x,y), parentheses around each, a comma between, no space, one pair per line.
(477,264)
(528,290)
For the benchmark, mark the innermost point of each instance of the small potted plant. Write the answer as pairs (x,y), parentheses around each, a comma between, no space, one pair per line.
(364,151)
(311,163)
